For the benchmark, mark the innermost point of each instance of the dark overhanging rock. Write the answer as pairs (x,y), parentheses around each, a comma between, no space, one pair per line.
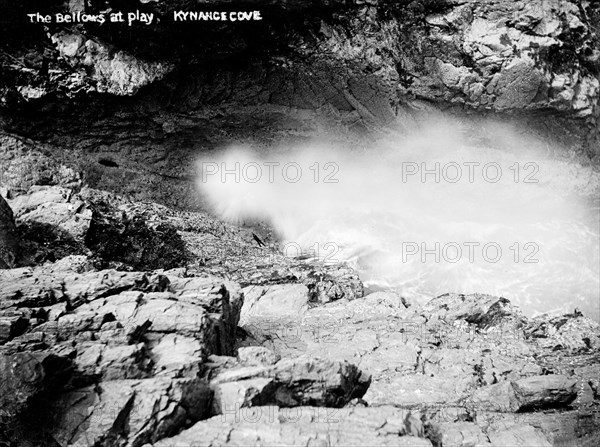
(401,43)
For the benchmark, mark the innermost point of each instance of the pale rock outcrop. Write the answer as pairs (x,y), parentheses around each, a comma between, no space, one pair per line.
(110,70)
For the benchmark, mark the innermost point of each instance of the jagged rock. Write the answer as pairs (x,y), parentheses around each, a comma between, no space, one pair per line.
(129,412)
(568,332)
(418,390)
(530,393)
(53,206)
(203,312)
(128,328)
(501,56)
(330,283)
(24,289)
(544,391)
(303,426)
(484,311)
(111,71)
(324,330)
(9,245)
(115,327)
(291,383)
(512,73)
(39,195)
(54,222)
(500,364)
(48,285)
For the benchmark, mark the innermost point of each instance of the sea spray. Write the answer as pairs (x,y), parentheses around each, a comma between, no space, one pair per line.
(438,210)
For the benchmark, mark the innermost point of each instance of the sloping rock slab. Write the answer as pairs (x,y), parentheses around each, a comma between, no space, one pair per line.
(129,412)
(309,426)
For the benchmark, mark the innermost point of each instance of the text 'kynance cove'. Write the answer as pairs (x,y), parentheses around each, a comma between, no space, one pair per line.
(216,16)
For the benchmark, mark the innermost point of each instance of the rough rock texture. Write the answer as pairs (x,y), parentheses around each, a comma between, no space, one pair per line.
(65,218)
(468,363)
(120,354)
(92,355)
(129,412)
(130,316)
(288,383)
(265,426)
(9,244)
(527,394)
(109,70)
(126,357)
(518,56)
(499,55)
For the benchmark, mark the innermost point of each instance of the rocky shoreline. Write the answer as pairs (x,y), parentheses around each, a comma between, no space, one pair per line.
(112,345)
(130,316)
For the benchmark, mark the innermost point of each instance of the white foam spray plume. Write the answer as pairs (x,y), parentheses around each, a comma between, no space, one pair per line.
(427,213)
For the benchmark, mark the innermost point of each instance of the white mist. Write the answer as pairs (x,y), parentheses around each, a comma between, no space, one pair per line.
(433,212)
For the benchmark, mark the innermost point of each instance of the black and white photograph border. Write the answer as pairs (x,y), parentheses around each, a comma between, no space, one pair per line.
(299,223)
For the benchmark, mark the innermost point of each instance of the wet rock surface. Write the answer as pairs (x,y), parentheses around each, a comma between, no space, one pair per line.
(93,355)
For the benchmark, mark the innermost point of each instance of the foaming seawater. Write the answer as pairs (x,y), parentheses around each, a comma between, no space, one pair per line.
(429,213)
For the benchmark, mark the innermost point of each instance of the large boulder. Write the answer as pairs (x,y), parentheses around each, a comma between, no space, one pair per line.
(128,412)
(290,383)
(484,311)
(527,394)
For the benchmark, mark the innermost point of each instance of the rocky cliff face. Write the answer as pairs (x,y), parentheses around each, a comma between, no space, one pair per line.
(493,55)
(129,316)
(129,107)
(369,59)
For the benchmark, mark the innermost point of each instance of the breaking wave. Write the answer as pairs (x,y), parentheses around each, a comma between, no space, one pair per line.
(442,209)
